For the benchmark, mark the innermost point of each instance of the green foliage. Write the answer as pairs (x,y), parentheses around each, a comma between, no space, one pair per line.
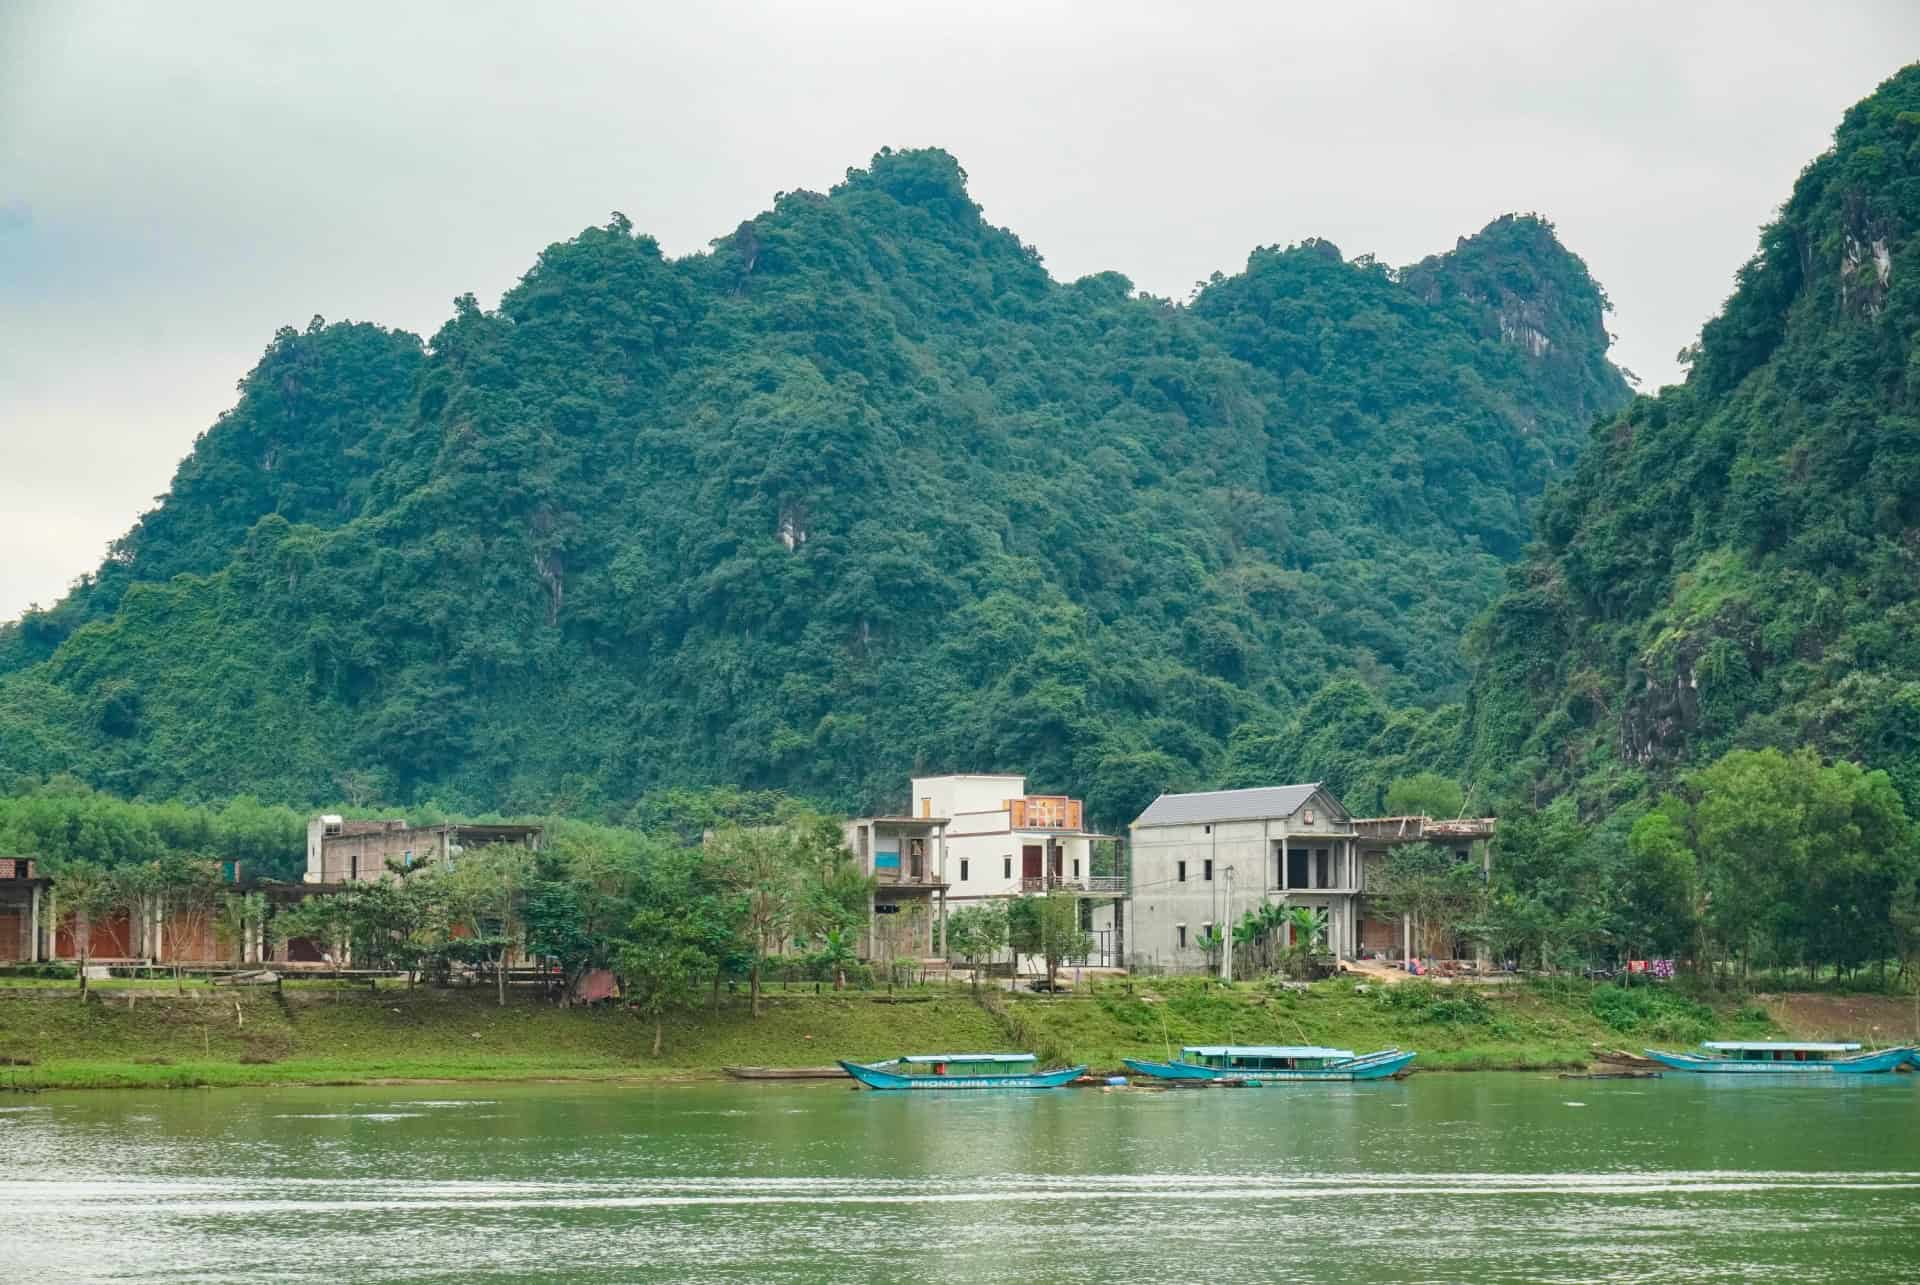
(1048,926)
(1442,892)
(1654,1012)
(64,821)
(976,934)
(1424,1001)
(1425,794)
(861,489)
(1732,565)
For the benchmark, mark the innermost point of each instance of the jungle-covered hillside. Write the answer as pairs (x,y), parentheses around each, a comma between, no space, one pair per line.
(1736,562)
(859,491)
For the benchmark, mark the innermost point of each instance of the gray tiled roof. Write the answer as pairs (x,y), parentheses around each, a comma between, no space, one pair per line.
(1267,802)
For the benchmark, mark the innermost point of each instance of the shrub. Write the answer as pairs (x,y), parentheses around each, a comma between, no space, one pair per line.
(1426,1002)
(1651,1010)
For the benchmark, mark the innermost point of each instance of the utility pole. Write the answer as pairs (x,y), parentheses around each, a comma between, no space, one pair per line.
(1226,936)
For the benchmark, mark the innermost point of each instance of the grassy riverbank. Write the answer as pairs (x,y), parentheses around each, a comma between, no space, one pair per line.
(206,1037)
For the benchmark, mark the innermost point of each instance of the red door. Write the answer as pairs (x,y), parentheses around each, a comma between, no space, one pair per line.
(1030,861)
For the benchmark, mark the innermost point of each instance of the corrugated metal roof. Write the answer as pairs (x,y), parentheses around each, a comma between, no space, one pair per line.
(1227,805)
(1784,1046)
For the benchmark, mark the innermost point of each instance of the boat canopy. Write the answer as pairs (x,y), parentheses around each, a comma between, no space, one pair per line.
(1784,1046)
(1263,1050)
(950,1058)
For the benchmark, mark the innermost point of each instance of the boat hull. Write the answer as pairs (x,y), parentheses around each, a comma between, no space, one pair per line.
(877,1077)
(785,1072)
(1861,1064)
(1375,1066)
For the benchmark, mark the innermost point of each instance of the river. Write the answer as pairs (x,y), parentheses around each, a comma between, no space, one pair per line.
(1438,1178)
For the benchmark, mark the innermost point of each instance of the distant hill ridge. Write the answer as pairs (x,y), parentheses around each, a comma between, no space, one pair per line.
(859,491)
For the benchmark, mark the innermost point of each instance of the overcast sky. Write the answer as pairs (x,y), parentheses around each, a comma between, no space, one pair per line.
(178,180)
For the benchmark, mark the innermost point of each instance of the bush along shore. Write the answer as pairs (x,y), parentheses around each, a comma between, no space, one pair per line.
(310,1034)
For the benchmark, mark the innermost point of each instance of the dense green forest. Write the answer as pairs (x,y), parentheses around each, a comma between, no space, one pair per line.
(860,491)
(1736,561)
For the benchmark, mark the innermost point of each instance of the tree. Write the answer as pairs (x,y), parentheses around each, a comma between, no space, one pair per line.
(1661,904)
(186,891)
(1048,926)
(88,892)
(580,898)
(1441,892)
(836,954)
(834,891)
(1425,794)
(328,920)
(484,893)
(661,964)
(1213,942)
(757,864)
(1800,861)
(1308,928)
(392,922)
(977,933)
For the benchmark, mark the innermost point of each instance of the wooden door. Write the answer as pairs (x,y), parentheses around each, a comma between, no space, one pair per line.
(1030,861)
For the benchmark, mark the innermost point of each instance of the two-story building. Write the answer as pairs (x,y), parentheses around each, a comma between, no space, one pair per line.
(973,838)
(1201,860)
(906,857)
(351,850)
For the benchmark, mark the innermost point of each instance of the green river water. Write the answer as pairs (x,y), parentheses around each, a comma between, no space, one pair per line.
(1437,1178)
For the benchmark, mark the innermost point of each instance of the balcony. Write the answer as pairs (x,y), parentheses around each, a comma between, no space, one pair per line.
(1086,885)
(1045,812)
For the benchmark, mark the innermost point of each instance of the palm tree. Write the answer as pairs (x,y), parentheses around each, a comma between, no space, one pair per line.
(836,952)
(1309,928)
(1273,914)
(1210,941)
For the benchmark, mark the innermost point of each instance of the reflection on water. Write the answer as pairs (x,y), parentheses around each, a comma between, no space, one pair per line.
(1440,1178)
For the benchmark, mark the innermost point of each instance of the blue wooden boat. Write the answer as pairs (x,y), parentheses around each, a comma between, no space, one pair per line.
(1789,1057)
(961,1071)
(1274,1062)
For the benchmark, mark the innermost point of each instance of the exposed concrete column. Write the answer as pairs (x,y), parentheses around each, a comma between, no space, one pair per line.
(33,922)
(1406,937)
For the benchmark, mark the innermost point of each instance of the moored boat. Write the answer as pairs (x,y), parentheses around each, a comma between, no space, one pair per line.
(1789,1057)
(1274,1062)
(961,1071)
(785,1072)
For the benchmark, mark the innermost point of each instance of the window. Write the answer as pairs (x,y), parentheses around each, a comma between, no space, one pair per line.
(1206,870)
(926,806)
(1206,829)
(1180,873)
(1076,867)
(963,870)
(1006,867)
(1180,936)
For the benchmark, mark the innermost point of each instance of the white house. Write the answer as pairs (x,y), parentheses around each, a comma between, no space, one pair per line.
(985,838)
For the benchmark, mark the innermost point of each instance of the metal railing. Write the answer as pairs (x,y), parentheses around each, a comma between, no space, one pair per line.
(1105,885)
